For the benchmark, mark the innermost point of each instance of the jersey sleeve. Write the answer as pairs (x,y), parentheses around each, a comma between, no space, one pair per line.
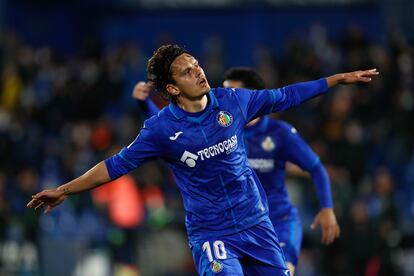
(298,152)
(323,186)
(143,148)
(148,107)
(152,109)
(256,103)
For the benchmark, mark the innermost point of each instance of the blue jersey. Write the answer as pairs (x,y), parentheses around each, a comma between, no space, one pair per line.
(207,155)
(270,144)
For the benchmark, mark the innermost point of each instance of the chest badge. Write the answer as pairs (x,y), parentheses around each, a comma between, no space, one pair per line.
(224,118)
(216,266)
(268,144)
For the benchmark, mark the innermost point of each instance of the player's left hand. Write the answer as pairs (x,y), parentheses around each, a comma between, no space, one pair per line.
(352,77)
(330,228)
(359,76)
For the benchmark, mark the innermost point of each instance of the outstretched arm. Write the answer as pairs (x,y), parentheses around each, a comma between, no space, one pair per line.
(53,197)
(298,93)
(262,102)
(352,77)
(143,148)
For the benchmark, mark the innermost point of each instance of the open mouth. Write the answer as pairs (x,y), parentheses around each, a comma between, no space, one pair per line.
(202,81)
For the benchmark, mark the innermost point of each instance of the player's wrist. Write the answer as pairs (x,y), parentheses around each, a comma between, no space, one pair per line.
(326,209)
(335,79)
(63,190)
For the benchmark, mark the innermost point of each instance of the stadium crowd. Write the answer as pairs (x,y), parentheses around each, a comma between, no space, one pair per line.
(59,115)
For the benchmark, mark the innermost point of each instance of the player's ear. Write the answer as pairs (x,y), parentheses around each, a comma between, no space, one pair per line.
(172,89)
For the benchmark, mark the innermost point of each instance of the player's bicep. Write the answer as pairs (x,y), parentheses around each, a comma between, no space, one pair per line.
(298,152)
(143,148)
(256,103)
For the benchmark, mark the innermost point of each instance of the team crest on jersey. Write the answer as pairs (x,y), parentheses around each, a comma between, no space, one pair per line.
(268,144)
(216,266)
(224,118)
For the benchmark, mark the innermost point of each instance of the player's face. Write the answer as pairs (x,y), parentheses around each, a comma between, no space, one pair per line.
(233,84)
(190,80)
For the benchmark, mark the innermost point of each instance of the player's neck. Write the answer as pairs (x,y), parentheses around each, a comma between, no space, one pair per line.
(192,105)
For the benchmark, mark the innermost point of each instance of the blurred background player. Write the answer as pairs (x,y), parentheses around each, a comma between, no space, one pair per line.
(227,219)
(270,144)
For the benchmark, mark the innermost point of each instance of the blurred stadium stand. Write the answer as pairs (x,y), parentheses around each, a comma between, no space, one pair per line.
(67,69)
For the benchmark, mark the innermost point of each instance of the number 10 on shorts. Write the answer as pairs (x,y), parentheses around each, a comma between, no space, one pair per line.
(218,248)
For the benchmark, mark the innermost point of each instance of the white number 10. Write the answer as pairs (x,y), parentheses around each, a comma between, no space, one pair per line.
(219,250)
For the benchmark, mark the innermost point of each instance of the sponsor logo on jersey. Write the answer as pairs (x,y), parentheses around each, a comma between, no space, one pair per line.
(216,266)
(262,165)
(227,146)
(268,144)
(224,118)
(189,158)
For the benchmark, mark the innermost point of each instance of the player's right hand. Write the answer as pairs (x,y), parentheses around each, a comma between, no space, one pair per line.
(47,198)
(330,229)
(142,90)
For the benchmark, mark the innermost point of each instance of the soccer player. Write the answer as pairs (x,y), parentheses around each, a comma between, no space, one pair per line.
(270,144)
(200,136)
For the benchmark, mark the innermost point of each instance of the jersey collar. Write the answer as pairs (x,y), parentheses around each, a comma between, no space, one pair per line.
(180,114)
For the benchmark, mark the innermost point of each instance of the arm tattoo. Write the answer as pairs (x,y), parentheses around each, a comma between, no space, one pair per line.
(66,191)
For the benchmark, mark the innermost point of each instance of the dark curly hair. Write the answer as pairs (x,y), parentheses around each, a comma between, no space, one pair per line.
(158,68)
(248,76)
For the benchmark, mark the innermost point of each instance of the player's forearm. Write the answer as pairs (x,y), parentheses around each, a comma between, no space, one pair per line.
(335,79)
(152,108)
(323,187)
(298,93)
(148,107)
(295,94)
(93,178)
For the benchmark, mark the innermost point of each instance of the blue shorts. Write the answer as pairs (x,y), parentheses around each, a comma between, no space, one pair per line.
(254,251)
(290,235)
